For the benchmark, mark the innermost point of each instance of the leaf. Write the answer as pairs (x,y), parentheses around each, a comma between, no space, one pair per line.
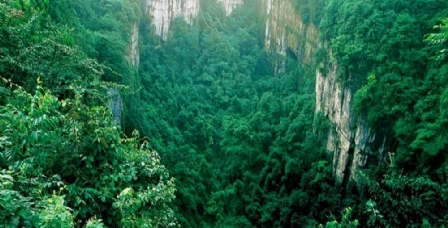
(5,176)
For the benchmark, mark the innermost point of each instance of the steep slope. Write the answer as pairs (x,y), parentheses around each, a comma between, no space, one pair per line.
(349,139)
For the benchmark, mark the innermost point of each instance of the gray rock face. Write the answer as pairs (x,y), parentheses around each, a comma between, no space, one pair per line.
(132,52)
(229,5)
(115,104)
(286,31)
(163,12)
(334,100)
(350,138)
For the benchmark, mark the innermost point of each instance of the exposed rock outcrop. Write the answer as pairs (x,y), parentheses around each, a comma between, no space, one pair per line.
(350,138)
(115,104)
(334,100)
(133,57)
(132,51)
(286,31)
(163,12)
(229,5)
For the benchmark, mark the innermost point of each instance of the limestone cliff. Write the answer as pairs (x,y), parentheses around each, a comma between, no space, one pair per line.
(349,139)
(132,56)
(229,5)
(163,12)
(115,104)
(285,31)
(132,51)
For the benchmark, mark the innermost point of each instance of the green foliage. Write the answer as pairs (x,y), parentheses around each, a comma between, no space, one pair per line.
(239,142)
(63,160)
(102,30)
(81,149)
(32,47)
(379,49)
(345,222)
(95,223)
(439,39)
(400,198)
(311,11)
(375,218)
(237,139)
(364,94)
(55,214)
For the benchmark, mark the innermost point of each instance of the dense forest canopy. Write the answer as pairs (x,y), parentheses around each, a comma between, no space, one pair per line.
(213,134)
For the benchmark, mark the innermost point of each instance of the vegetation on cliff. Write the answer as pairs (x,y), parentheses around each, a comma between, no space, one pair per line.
(239,140)
(392,54)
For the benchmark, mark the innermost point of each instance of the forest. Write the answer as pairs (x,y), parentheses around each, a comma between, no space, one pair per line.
(214,129)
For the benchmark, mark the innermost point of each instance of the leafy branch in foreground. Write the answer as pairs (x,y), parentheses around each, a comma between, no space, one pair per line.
(440,38)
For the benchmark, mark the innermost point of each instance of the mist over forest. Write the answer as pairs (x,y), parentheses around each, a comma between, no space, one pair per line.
(223,113)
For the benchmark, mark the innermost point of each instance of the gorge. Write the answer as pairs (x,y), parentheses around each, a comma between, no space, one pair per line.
(223,113)
(335,68)
(285,31)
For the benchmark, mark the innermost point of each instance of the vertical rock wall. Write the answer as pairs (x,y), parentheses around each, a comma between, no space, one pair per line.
(132,56)
(334,100)
(132,51)
(285,31)
(163,12)
(350,138)
(115,104)
(229,5)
